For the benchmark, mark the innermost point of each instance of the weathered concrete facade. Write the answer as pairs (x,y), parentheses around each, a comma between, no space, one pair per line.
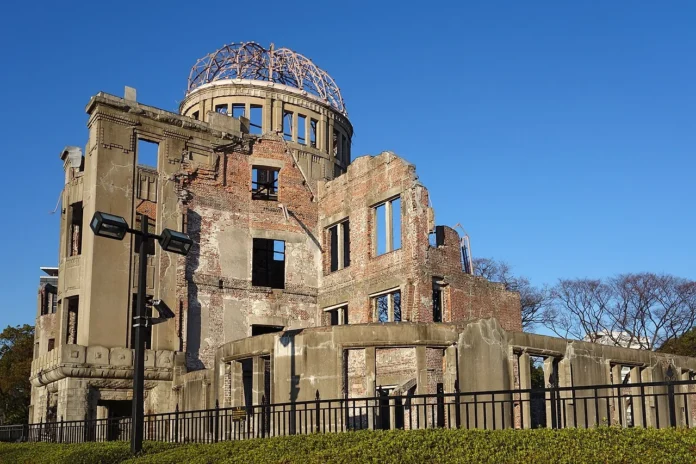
(308,271)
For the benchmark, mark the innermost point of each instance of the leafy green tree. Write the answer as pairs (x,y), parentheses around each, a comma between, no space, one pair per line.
(16,353)
(684,345)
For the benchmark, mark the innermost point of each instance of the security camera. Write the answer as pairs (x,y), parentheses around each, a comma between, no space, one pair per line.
(164,312)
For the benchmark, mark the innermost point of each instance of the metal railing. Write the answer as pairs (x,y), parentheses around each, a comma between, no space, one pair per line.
(654,404)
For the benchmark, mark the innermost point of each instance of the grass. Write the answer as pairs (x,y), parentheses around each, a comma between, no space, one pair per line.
(599,445)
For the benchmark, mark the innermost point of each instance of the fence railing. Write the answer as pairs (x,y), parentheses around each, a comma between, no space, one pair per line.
(655,404)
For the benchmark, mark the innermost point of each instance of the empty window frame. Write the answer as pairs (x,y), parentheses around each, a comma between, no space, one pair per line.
(287,125)
(313,123)
(147,153)
(49,300)
(336,143)
(439,295)
(75,239)
(339,245)
(51,344)
(264,183)
(259,329)
(195,115)
(268,263)
(222,109)
(387,220)
(73,305)
(238,110)
(337,315)
(302,129)
(256,119)
(386,307)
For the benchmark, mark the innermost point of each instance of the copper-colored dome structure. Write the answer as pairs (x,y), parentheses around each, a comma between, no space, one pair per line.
(249,60)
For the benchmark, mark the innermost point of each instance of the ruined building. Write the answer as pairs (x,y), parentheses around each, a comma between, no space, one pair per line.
(311,269)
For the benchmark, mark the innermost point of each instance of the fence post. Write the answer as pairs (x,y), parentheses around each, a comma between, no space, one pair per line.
(176,423)
(670,377)
(263,416)
(457,402)
(217,420)
(60,430)
(316,414)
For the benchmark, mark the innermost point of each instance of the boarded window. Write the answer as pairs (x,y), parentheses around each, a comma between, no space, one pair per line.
(268,267)
(264,183)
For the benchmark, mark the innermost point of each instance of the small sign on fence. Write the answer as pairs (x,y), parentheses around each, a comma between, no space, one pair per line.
(238,413)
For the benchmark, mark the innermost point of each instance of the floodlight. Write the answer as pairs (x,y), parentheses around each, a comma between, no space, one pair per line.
(108,225)
(176,242)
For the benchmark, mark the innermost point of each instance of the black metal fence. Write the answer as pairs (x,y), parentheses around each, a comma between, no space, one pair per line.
(655,404)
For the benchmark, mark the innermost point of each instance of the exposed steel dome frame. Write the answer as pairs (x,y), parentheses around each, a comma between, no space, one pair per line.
(249,60)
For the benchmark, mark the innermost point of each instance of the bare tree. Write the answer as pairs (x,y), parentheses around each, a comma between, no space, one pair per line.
(533,299)
(642,310)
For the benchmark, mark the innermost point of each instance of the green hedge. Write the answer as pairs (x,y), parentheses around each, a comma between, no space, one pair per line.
(600,445)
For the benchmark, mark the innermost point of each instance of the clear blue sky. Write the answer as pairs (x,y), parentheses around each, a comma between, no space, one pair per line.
(560,134)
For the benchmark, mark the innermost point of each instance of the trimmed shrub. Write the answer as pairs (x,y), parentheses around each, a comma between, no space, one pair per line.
(576,446)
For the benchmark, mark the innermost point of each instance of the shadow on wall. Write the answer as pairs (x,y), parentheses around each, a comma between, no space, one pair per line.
(193,318)
(288,340)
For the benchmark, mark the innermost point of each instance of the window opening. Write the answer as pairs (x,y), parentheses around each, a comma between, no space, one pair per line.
(387,218)
(339,246)
(337,315)
(264,183)
(287,125)
(73,305)
(49,300)
(195,115)
(313,133)
(75,229)
(247,380)
(336,140)
(438,300)
(268,267)
(222,109)
(36,351)
(537,400)
(302,129)
(386,307)
(238,110)
(51,344)
(256,119)
(257,329)
(147,153)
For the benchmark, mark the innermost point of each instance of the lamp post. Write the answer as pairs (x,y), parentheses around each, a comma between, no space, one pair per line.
(115,227)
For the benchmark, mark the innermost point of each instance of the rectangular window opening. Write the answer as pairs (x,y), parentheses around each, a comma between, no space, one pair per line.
(301,129)
(438,300)
(238,110)
(73,305)
(257,329)
(256,119)
(51,344)
(75,229)
(268,263)
(147,153)
(195,115)
(337,315)
(313,133)
(264,183)
(339,245)
(222,109)
(336,143)
(49,300)
(387,220)
(287,125)
(386,307)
